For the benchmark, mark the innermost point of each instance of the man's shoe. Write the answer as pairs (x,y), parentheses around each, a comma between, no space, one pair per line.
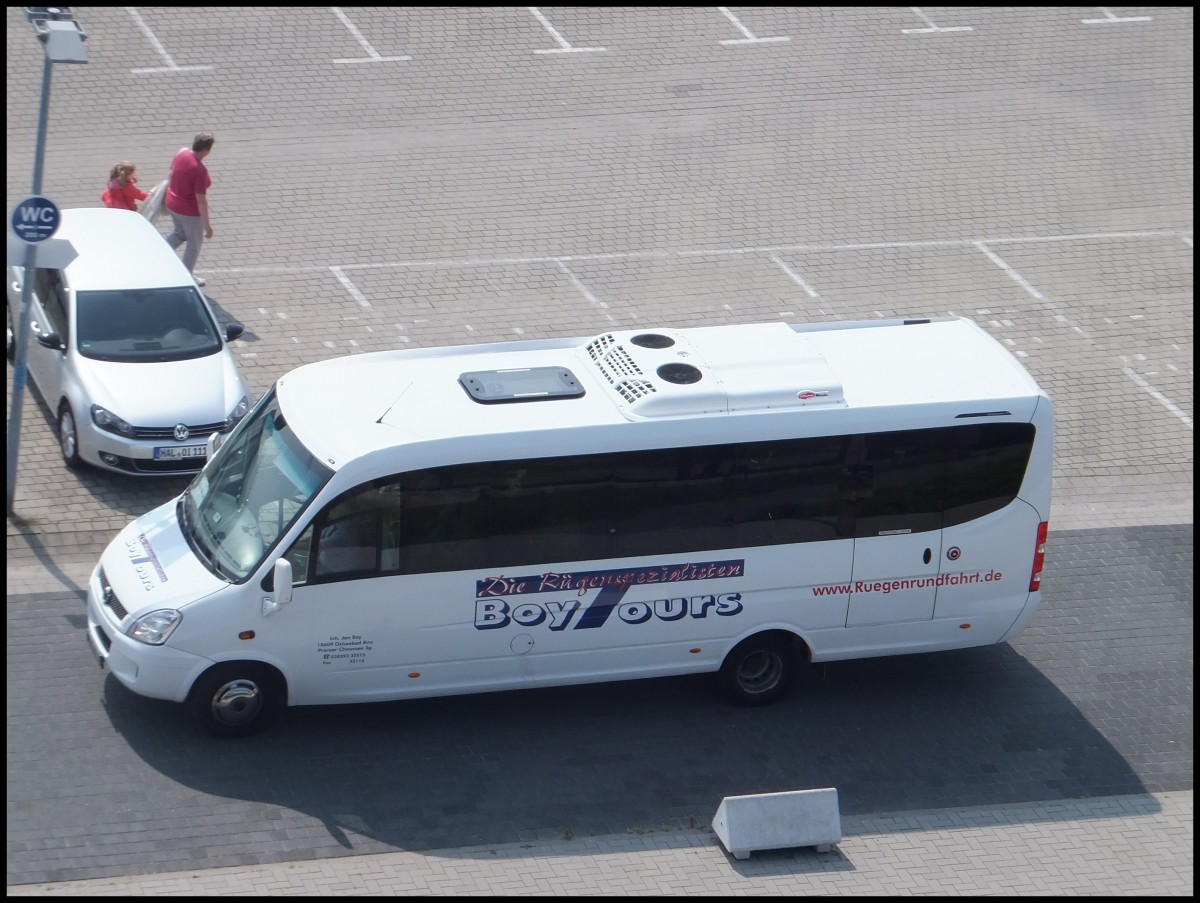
(200,281)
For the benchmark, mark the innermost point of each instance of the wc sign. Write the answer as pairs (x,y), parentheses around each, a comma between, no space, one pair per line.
(35,219)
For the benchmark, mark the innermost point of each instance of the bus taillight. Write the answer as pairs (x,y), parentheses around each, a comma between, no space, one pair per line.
(1039,558)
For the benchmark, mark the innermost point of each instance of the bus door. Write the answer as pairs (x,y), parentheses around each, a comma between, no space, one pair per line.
(361,623)
(989,535)
(894,484)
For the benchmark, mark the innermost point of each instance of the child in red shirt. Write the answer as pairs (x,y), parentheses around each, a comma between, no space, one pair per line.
(122,192)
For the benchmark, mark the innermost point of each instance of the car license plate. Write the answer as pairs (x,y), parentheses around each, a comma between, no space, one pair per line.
(175,452)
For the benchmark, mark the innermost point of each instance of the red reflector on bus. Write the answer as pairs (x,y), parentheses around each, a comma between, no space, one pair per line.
(246,635)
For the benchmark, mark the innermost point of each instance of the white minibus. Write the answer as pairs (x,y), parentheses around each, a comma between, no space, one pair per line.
(738,499)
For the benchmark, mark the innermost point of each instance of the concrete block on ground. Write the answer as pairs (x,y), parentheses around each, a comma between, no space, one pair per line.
(776,821)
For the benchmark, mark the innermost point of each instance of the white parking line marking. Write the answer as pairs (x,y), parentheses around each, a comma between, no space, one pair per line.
(795,277)
(932,28)
(1158,396)
(586,292)
(350,287)
(373,55)
(1021,281)
(564,46)
(1109,17)
(749,37)
(448,263)
(171,66)
(1016,277)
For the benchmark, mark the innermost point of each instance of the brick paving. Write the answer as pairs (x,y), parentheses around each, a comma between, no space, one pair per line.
(1105,846)
(473,175)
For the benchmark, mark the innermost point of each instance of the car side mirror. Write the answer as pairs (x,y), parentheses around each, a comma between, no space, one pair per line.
(50,340)
(233,331)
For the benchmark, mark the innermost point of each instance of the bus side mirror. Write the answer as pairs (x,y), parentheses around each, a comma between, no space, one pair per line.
(281,588)
(213,442)
(283,581)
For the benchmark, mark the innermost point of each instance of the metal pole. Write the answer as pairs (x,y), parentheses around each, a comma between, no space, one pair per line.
(22,321)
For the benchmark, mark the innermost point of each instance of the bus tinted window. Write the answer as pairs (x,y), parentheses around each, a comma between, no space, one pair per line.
(671,501)
(788,492)
(984,468)
(898,481)
(675,499)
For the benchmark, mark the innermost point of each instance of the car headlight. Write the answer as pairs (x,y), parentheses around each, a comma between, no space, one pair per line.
(107,420)
(238,412)
(155,627)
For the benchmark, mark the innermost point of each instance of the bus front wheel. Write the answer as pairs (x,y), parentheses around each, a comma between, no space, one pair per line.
(759,670)
(236,699)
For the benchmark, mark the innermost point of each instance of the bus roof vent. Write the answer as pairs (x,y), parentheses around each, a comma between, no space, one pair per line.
(633,389)
(680,374)
(652,340)
(677,373)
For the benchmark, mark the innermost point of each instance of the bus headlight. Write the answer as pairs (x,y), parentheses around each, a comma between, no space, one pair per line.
(156,627)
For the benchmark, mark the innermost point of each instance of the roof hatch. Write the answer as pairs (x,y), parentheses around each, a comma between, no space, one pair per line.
(520,384)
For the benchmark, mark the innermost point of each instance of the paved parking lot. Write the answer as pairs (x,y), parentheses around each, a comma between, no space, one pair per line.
(453,183)
(407,177)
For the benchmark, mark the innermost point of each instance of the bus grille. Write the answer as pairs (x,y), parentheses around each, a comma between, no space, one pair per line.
(110,598)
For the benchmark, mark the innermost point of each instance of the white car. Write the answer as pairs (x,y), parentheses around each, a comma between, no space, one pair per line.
(126,351)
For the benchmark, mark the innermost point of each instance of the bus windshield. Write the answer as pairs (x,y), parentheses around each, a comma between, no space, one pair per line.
(238,507)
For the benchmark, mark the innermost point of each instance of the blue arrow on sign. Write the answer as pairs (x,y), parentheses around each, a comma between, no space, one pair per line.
(35,219)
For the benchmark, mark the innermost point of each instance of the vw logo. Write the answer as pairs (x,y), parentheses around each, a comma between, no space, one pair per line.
(181,432)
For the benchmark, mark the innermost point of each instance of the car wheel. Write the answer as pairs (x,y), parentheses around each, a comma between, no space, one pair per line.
(236,699)
(12,333)
(758,671)
(68,436)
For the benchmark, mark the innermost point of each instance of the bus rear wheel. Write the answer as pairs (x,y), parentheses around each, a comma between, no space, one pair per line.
(759,670)
(236,699)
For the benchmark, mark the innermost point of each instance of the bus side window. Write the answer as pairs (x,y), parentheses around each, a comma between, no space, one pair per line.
(348,546)
(898,481)
(389,550)
(358,534)
(788,491)
(985,468)
(298,555)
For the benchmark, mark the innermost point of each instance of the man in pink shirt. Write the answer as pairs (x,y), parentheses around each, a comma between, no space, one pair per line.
(187,199)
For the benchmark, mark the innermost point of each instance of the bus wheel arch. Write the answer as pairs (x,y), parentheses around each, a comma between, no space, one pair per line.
(237,698)
(760,669)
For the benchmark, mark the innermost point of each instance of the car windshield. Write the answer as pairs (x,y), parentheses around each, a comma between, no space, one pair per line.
(253,489)
(149,325)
